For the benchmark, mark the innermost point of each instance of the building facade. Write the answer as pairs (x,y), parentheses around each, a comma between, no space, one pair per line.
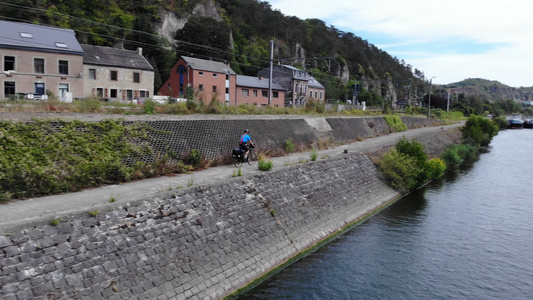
(300,86)
(38,61)
(254,90)
(117,74)
(201,79)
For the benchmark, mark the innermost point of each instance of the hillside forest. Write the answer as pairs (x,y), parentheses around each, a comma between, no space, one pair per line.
(239,32)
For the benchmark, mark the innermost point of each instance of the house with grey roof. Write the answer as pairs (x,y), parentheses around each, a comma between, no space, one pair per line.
(117,74)
(201,79)
(254,90)
(299,84)
(38,61)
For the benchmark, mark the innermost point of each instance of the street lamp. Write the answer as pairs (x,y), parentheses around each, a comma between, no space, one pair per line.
(429,97)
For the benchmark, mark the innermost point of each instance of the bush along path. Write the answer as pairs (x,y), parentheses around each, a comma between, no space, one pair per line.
(406,166)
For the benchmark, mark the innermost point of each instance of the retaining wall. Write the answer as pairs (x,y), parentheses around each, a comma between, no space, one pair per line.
(215,138)
(201,242)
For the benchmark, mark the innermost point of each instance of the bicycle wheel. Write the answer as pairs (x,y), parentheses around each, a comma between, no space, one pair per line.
(237,160)
(252,157)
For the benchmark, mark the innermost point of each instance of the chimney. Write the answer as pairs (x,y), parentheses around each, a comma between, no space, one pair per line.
(140,50)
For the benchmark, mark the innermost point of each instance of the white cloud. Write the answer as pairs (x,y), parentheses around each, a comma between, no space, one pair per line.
(461,26)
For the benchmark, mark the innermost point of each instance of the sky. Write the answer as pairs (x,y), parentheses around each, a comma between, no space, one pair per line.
(449,40)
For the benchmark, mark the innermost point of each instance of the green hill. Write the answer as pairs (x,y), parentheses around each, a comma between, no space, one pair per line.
(490,90)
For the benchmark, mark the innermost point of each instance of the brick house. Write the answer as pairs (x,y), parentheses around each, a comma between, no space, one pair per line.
(39,60)
(254,90)
(300,86)
(117,74)
(205,79)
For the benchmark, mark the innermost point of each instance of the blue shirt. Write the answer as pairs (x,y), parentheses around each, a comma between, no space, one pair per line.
(245,138)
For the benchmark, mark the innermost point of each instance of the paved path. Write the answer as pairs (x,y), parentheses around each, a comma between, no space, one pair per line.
(44,209)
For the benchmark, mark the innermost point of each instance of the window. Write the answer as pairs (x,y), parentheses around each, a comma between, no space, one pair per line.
(26,35)
(39,88)
(38,65)
(100,92)
(114,75)
(63,90)
(129,94)
(63,67)
(113,93)
(215,75)
(201,87)
(316,95)
(61,45)
(245,92)
(9,63)
(9,88)
(200,73)
(320,96)
(227,90)
(142,94)
(310,94)
(136,77)
(275,94)
(255,93)
(92,73)
(264,93)
(214,88)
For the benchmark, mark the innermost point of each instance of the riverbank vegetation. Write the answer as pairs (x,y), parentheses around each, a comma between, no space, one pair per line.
(49,157)
(407,167)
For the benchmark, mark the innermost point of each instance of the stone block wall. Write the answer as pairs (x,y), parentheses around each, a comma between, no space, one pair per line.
(201,243)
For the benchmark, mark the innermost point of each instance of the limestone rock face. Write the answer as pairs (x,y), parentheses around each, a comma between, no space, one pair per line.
(170,22)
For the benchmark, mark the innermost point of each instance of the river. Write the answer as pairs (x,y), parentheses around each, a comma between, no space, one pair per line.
(467,236)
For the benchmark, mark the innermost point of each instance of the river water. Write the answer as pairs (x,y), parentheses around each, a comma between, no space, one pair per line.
(468,236)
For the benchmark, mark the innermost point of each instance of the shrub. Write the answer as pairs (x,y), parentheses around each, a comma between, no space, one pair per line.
(315,106)
(456,156)
(395,123)
(289,146)
(479,131)
(314,154)
(88,105)
(149,107)
(452,158)
(436,167)
(400,170)
(194,158)
(413,149)
(501,122)
(55,222)
(265,165)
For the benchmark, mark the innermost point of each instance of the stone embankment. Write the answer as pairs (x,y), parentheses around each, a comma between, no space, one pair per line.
(203,242)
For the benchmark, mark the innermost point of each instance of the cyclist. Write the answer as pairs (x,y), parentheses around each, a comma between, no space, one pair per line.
(245,143)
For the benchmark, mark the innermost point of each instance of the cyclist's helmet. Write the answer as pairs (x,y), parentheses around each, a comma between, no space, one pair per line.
(247,130)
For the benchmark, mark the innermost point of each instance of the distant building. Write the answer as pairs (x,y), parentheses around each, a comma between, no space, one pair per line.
(205,79)
(38,60)
(254,90)
(117,74)
(300,86)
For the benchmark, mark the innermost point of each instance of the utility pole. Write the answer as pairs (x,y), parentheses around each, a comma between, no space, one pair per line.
(448,104)
(429,97)
(270,76)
